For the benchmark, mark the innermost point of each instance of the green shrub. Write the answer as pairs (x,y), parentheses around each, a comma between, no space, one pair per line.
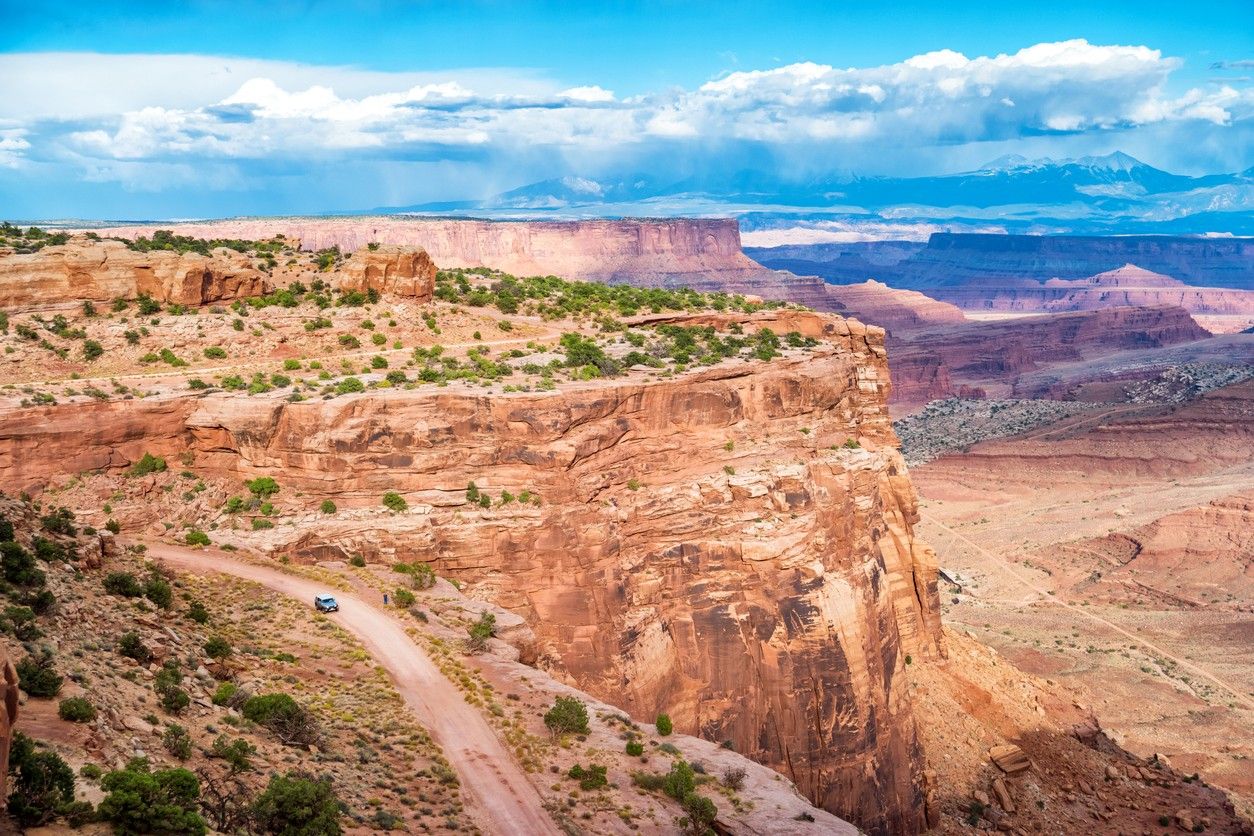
(158,590)
(237,753)
(112,526)
(327,507)
(263,487)
(567,716)
(43,783)
(37,675)
(224,693)
(234,505)
(423,575)
(349,385)
(132,646)
(394,501)
(635,748)
(481,631)
(20,621)
(92,350)
(177,741)
(217,648)
(124,584)
(76,710)
(260,523)
(349,341)
(174,699)
(404,598)
(19,566)
(591,778)
(680,781)
(148,463)
(196,612)
(357,560)
(664,726)
(298,804)
(215,352)
(161,802)
(701,814)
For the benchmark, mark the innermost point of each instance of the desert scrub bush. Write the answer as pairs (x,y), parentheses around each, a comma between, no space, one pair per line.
(664,725)
(394,501)
(18,566)
(167,685)
(177,741)
(281,714)
(298,804)
(139,800)
(196,537)
(196,612)
(349,341)
(76,710)
(234,505)
(148,463)
(423,575)
(217,648)
(635,748)
(349,385)
(92,350)
(327,507)
(215,352)
(591,778)
(20,622)
(567,716)
(404,598)
(237,753)
(225,693)
(124,584)
(357,560)
(42,782)
(37,675)
(734,778)
(132,646)
(261,523)
(263,487)
(480,632)
(158,590)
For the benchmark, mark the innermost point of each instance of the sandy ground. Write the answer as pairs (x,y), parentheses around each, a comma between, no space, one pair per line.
(500,797)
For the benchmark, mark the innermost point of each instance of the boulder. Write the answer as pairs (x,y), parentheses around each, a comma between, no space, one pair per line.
(1009,759)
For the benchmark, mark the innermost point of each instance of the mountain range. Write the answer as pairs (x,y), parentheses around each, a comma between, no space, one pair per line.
(1115,193)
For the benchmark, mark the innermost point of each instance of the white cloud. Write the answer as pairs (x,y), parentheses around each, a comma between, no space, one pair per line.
(86,111)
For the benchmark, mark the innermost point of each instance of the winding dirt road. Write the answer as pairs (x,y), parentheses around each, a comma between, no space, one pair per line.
(499,796)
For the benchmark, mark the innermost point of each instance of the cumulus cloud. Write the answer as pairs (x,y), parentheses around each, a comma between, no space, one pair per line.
(88,111)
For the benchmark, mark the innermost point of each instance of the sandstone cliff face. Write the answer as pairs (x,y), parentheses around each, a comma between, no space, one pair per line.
(105,270)
(772,606)
(402,271)
(661,251)
(987,354)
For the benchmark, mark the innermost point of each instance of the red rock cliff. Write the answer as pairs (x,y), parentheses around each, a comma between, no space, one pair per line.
(766,594)
(632,249)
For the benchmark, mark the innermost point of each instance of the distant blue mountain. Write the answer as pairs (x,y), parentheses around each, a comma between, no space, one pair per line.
(1111,193)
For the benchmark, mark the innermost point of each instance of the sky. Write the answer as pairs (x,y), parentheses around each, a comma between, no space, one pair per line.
(137,110)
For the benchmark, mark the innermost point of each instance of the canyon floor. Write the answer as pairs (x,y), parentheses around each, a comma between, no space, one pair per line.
(1112,550)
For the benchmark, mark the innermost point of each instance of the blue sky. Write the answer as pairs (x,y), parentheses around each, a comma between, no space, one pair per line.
(130,110)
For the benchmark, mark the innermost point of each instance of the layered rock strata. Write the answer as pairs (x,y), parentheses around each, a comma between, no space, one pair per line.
(936,363)
(100,271)
(733,546)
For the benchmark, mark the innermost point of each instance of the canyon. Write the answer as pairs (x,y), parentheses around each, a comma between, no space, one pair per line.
(694,519)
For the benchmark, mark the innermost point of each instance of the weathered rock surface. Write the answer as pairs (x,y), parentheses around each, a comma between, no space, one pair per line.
(104,270)
(930,364)
(402,271)
(675,251)
(766,595)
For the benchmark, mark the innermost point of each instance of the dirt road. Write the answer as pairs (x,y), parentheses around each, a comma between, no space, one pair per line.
(498,794)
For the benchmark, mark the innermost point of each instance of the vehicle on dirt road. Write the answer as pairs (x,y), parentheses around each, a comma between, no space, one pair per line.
(326,603)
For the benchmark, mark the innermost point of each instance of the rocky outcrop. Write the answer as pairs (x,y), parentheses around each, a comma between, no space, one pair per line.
(734,546)
(401,271)
(993,354)
(664,251)
(105,270)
